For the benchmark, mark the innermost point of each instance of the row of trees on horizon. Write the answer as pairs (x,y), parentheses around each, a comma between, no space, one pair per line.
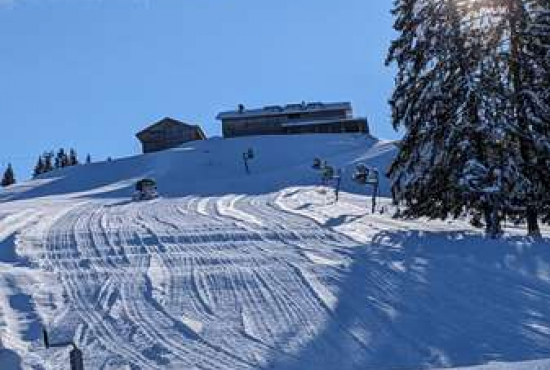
(48,161)
(473,97)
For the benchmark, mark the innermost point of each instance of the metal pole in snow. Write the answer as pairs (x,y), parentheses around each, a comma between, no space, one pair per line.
(245,159)
(77,363)
(248,155)
(338,182)
(374,196)
(46,339)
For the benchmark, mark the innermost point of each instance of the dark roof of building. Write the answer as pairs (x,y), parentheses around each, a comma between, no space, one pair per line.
(170,122)
(277,110)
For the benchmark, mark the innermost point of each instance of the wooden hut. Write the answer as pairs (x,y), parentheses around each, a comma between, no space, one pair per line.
(168,133)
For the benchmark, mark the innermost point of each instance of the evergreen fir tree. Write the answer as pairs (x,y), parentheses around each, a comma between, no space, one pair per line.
(539,47)
(39,168)
(476,132)
(73,158)
(534,94)
(65,160)
(9,177)
(436,100)
(59,158)
(62,159)
(522,28)
(47,159)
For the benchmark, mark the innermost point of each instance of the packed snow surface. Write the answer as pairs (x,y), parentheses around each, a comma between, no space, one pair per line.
(262,271)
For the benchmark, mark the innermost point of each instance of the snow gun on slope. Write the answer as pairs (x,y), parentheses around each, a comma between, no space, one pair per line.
(328,175)
(368,177)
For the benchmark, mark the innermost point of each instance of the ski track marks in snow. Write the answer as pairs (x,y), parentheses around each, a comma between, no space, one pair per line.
(205,283)
(278,281)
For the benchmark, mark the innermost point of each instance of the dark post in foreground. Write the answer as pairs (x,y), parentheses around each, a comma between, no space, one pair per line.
(75,356)
(338,179)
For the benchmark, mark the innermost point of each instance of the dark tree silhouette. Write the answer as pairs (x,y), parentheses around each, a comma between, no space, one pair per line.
(9,177)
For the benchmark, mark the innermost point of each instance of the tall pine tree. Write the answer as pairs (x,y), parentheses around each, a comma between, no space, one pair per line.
(48,161)
(9,177)
(73,158)
(533,94)
(436,101)
(38,168)
(62,159)
(460,96)
(538,47)
(522,28)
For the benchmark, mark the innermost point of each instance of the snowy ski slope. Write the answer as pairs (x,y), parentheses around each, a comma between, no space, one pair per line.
(229,271)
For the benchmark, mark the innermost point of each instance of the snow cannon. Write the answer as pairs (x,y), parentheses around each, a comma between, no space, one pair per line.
(146,189)
(327,174)
(368,177)
(317,164)
(373,177)
(361,174)
(250,153)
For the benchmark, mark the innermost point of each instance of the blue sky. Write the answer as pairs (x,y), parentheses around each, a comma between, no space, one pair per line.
(89,74)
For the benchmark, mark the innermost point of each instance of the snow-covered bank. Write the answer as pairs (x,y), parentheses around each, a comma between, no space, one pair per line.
(215,167)
(229,271)
(530,365)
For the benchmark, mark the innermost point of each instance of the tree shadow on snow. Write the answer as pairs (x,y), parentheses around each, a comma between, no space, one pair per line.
(415,300)
(9,360)
(8,253)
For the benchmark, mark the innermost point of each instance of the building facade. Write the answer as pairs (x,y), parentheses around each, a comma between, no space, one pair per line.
(168,133)
(292,119)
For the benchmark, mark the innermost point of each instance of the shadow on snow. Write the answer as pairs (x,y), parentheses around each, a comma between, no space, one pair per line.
(416,300)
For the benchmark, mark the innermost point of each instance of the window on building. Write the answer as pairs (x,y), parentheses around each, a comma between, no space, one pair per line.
(295,116)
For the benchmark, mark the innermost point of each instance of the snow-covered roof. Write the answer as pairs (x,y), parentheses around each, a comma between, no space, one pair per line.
(277,110)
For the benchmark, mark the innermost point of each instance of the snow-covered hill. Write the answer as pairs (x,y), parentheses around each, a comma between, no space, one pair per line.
(215,167)
(259,271)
